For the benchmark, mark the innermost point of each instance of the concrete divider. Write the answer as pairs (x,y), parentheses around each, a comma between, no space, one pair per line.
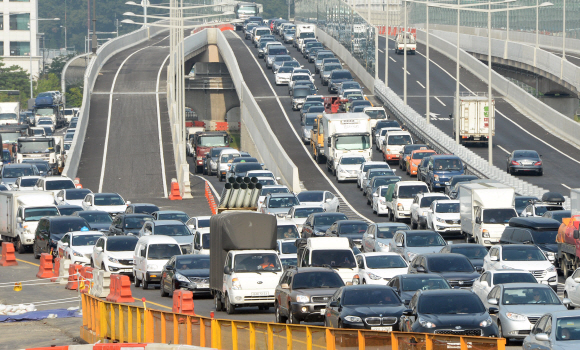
(63,271)
(102,283)
(73,276)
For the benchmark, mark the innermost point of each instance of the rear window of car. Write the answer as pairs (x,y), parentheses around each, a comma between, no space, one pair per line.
(277,50)
(341,75)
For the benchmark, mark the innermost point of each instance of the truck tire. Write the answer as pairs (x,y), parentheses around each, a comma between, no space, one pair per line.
(565,268)
(217,300)
(20,247)
(36,255)
(230,308)
(137,281)
(145,283)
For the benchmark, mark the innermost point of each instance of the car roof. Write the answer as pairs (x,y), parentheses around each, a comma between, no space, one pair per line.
(84,233)
(166,222)
(91,212)
(122,237)
(495,272)
(282,194)
(443,292)
(381,254)
(443,255)
(327,214)
(420,275)
(351,222)
(157,239)
(63,218)
(417,232)
(534,222)
(448,201)
(524,285)
(170,212)
(106,194)
(18,165)
(432,194)
(135,215)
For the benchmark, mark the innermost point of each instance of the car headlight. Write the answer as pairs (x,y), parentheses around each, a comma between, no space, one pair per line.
(236,284)
(438,219)
(426,324)
(353,319)
(411,255)
(213,163)
(436,177)
(549,253)
(551,269)
(424,213)
(77,254)
(516,317)
(152,267)
(302,299)
(382,201)
(181,278)
(341,170)
(400,206)
(486,323)
(113,260)
(382,245)
(373,276)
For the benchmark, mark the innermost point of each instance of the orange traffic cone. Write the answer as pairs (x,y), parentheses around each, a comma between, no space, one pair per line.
(175,195)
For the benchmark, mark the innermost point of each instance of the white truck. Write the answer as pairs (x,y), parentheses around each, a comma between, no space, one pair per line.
(48,148)
(245,267)
(474,119)
(346,133)
(9,113)
(303,31)
(20,212)
(410,46)
(485,210)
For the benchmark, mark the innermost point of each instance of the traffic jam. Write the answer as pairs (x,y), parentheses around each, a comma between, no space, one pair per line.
(450,253)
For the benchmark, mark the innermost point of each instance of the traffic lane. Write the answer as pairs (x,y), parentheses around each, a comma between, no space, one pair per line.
(572,58)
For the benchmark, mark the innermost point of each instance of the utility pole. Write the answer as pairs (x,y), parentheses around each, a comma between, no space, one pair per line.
(94,44)
(289,3)
(88,25)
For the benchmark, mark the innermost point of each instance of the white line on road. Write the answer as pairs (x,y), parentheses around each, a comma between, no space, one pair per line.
(503,149)
(381,51)
(299,139)
(392,59)
(163,176)
(418,82)
(568,187)
(215,193)
(403,68)
(437,98)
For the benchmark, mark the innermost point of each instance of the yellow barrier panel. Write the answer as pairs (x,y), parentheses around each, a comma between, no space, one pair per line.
(113,322)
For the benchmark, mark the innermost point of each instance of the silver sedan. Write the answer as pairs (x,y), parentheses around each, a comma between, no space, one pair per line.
(555,331)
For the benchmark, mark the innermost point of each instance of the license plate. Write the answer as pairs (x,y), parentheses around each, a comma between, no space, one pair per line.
(126,270)
(322,311)
(203,286)
(447,183)
(259,294)
(384,329)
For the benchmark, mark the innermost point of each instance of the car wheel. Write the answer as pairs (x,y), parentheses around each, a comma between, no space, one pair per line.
(137,281)
(292,319)
(278,314)
(569,306)
(20,247)
(374,211)
(340,325)
(145,283)
(541,172)
(217,301)
(413,224)
(162,289)
(92,263)
(230,309)
(364,281)
(34,251)
(468,238)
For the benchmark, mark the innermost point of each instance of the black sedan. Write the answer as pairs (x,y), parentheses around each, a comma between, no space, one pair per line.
(68,209)
(128,224)
(406,285)
(368,306)
(527,161)
(454,181)
(97,219)
(189,272)
(352,229)
(455,268)
(455,312)
(473,252)
(317,223)
(141,208)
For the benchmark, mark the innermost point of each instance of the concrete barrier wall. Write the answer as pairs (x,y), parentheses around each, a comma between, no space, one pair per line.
(541,113)
(269,150)
(105,52)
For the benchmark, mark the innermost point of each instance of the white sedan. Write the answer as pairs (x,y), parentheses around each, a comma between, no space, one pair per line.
(328,201)
(112,203)
(444,216)
(362,171)
(283,75)
(379,201)
(299,213)
(78,246)
(489,279)
(348,167)
(379,268)
(572,289)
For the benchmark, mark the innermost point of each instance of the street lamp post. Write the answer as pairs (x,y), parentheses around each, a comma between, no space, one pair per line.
(405,38)
(457,68)
(30,46)
(427,85)
(387,47)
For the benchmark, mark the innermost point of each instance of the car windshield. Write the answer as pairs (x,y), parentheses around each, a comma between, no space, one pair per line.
(325,220)
(136,222)
(522,203)
(354,228)
(385,262)
(430,283)
(471,252)
(289,248)
(503,278)
(163,251)
(449,264)
(291,64)
(354,142)
(399,140)
(529,295)
(212,140)
(341,75)
(375,296)
(568,328)
(322,56)
(331,67)
(301,92)
(69,210)
(80,240)
(149,209)
(77,194)
(421,155)
(256,263)
(192,263)
(266,191)
(386,124)
(376,114)
(425,240)
(287,231)
(450,304)
(387,232)
(411,191)
(28,182)
(426,201)
(96,217)
(352,160)
(285,69)
(227,157)
(447,164)
(12,173)
(283,202)
(498,216)
(367,167)
(304,212)
(260,32)
(11,137)
(340,258)
(35,214)
(310,196)
(316,109)
(542,209)
(561,214)
(287,262)
(307,35)
(282,58)
(108,199)
(69,225)
(59,184)
(122,244)
(205,241)
(545,237)
(172,230)
(36,146)
(447,208)
(531,253)
(300,77)
(318,279)
(526,154)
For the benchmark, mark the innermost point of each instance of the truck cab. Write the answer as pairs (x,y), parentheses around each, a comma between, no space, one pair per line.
(204,141)
(49,149)
(400,196)
(345,133)
(335,252)
(440,170)
(317,140)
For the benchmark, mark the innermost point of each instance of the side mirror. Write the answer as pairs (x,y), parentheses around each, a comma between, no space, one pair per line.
(399,244)
(551,258)
(64,244)
(477,220)
(285,286)
(484,283)
(408,312)
(19,219)
(328,200)
(479,269)
(492,301)
(493,258)
(394,195)
(542,337)
(577,279)
(99,249)
(333,304)
(278,178)
(227,270)
(57,148)
(493,310)
(169,268)
(375,194)
(566,301)
(128,202)
(421,269)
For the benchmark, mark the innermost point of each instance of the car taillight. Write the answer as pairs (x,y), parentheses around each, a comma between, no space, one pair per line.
(515,163)
(538,163)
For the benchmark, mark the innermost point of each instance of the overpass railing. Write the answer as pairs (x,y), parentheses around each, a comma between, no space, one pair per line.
(103,54)
(111,322)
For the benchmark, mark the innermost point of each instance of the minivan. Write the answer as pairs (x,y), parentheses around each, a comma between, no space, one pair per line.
(533,230)
(150,255)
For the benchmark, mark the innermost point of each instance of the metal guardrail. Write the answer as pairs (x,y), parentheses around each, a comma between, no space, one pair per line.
(105,52)
(111,322)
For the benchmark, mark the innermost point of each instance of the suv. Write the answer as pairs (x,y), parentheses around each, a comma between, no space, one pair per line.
(303,293)
(440,170)
(51,229)
(550,201)
(337,77)
(421,206)
(128,224)
(533,230)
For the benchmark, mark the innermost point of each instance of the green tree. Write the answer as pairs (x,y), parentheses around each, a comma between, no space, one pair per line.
(14,78)
(49,82)
(74,96)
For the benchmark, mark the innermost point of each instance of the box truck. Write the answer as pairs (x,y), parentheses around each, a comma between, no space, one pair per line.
(345,133)
(485,210)
(474,119)
(9,113)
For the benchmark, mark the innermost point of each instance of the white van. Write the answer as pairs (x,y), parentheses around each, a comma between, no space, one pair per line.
(150,255)
(334,252)
(225,161)
(394,143)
